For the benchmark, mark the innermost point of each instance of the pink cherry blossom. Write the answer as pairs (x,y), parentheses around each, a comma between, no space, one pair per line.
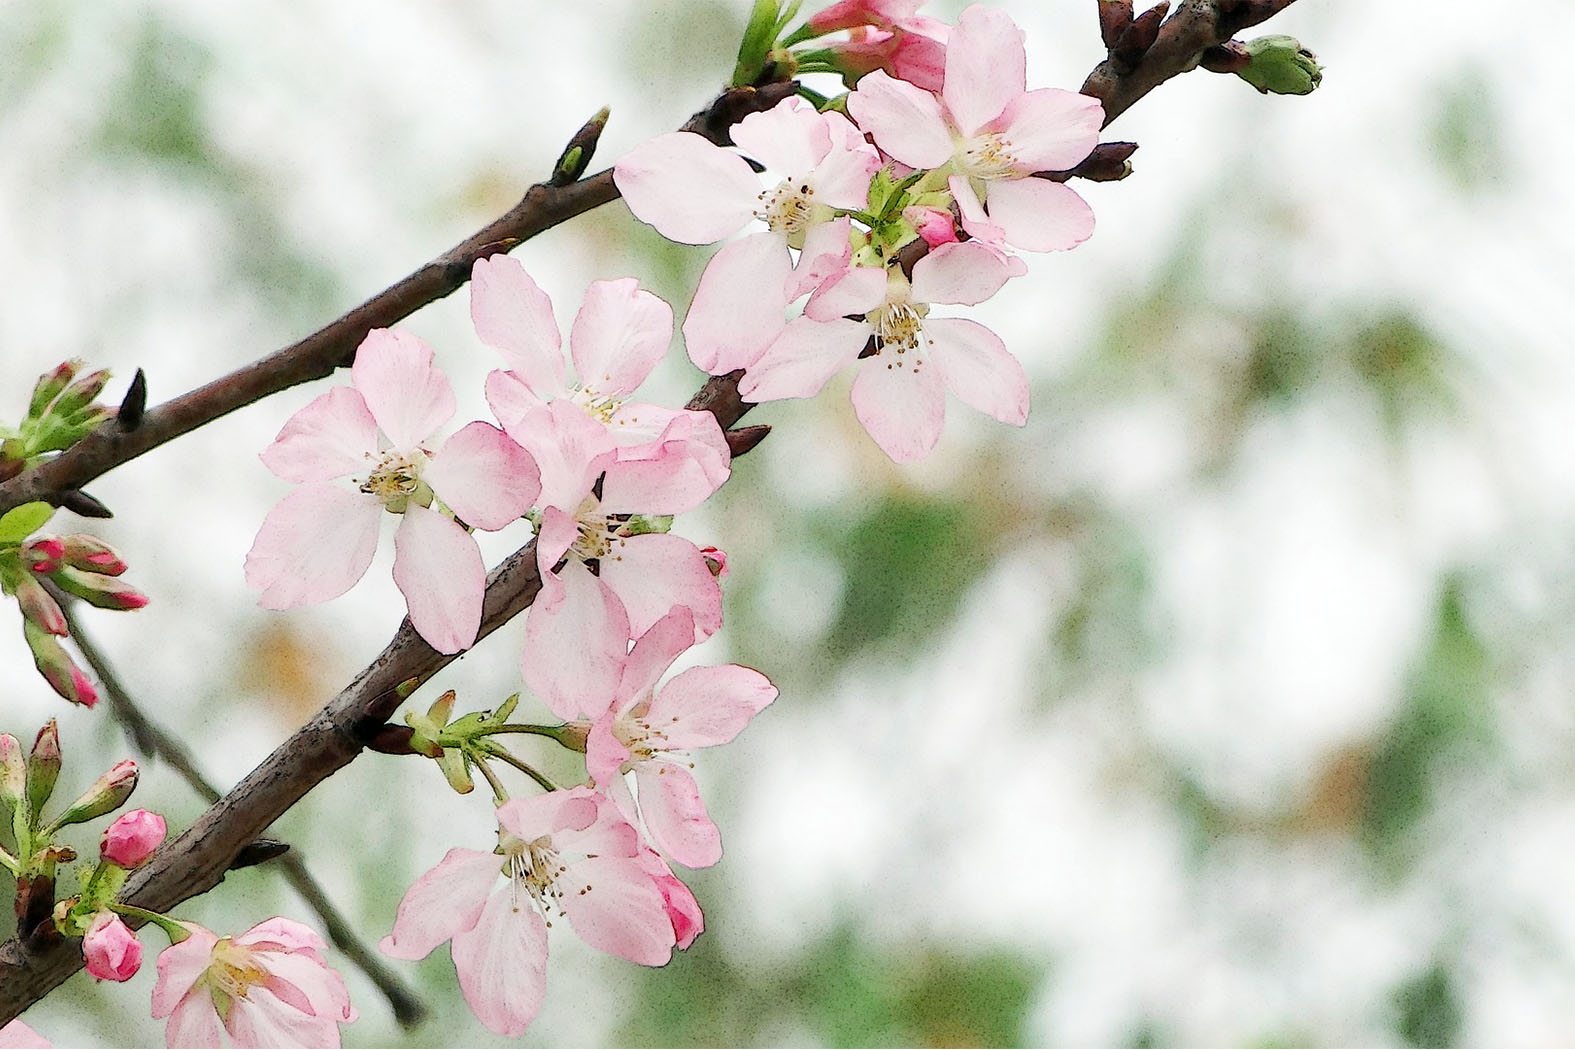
(619,574)
(318,541)
(647,730)
(132,838)
(988,128)
(899,394)
(110,951)
(269,986)
(18,1036)
(566,852)
(888,35)
(696,192)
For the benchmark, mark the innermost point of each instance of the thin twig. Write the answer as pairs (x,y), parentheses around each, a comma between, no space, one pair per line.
(156,743)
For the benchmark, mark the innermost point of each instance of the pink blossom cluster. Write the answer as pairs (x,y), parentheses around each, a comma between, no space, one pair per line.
(944,146)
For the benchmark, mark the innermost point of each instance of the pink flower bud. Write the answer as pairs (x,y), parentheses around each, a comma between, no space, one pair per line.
(91,554)
(39,607)
(42,554)
(106,794)
(937,227)
(102,591)
(13,770)
(110,950)
(131,840)
(63,676)
(43,766)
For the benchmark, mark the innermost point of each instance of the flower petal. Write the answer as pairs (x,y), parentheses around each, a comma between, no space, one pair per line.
(978,368)
(905,122)
(706,706)
(333,436)
(985,67)
(842,179)
(180,966)
(443,902)
(654,652)
(903,409)
(801,360)
(575,647)
(963,273)
(514,317)
(1040,216)
(857,290)
(570,449)
(789,139)
(691,190)
(484,477)
(510,398)
(675,815)
(439,570)
(502,964)
(313,545)
(675,473)
(194,1022)
(738,305)
(826,253)
(407,395)
(1050,129)
(615,906)
(619,335)
(654,573)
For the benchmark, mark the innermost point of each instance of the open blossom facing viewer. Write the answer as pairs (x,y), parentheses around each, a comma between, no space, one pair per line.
(567,852)
(269,986)
(318,541)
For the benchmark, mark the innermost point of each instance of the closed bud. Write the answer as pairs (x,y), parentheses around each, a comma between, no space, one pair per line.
(55,664)
(1281,66)
(43,554)
(91,554)
(49,386)
(110,951)
(105,592)
(80,394)
(43,766)
(13,770)
(132,838)
(107,794)
(39,606)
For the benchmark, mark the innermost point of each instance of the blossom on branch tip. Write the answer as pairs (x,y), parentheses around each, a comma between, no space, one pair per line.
(269,986)
(566,852)
(318,541)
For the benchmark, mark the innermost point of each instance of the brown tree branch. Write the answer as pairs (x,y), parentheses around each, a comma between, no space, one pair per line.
(196,860)
(1195,26)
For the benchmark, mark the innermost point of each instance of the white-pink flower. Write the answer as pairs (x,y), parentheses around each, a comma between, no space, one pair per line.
(899,393)
(269,986)
(110,951)
(318,541)
(987,127)
(647,731)
(696,192)
(885,34)
(567,852)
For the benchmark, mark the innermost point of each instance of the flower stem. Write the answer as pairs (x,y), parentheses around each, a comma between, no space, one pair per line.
(172,929)
(503,756)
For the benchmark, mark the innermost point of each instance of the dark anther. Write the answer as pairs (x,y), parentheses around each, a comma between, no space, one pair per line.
(129,416)
(258,851)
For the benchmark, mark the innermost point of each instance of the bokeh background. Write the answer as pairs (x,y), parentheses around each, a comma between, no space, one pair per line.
(1229,702)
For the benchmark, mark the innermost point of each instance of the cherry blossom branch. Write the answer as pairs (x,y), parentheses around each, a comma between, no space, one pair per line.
(1145,52)
(156,743)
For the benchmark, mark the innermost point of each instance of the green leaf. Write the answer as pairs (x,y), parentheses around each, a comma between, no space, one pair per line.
(21,522)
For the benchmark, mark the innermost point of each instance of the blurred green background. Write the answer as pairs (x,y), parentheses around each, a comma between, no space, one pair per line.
(1227,703)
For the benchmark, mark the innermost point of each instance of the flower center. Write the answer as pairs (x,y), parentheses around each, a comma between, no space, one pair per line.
(600,407)
(533,869)
(786,209)
(232,971)
(396,478)
(987,156)
(597,534)
(899,330)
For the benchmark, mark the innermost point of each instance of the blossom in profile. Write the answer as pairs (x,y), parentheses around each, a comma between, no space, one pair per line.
(269,986)
(318,541)
(564,853)
(884,34)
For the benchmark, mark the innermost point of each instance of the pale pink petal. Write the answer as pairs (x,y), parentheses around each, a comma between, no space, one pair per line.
(333,436)
(857,291)
(903,409)
(652,574)
(1040,216)
(619,911)
(570,449)
(484,477)
(706,706)
(972,213)
(604,754)
(16,1035)
(532,816)
(607,834)
(502,964)
(180,966)
(677,472)
(439,570)
(514,317)
(1051,129)
(789,139)
(194,1022)
(827,251)
(441,903)
(555,535)
(985,67)
(619,335)
(654,652)
(313,545)
(842,179)
(803,358)
(688,188)
(846,14)
(739,303)
(285,934)
(682,908)
(964,273)
(675,815)
(905,122)
(510,399)
(110,951)
(637,423)
(407,395)
(575,648)
(978,368)
(920,58)
(261,1019)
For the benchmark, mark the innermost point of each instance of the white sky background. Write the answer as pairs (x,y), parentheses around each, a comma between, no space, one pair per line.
(1301,585)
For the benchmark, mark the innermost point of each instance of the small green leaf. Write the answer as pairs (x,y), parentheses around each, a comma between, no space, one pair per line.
(21,522)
